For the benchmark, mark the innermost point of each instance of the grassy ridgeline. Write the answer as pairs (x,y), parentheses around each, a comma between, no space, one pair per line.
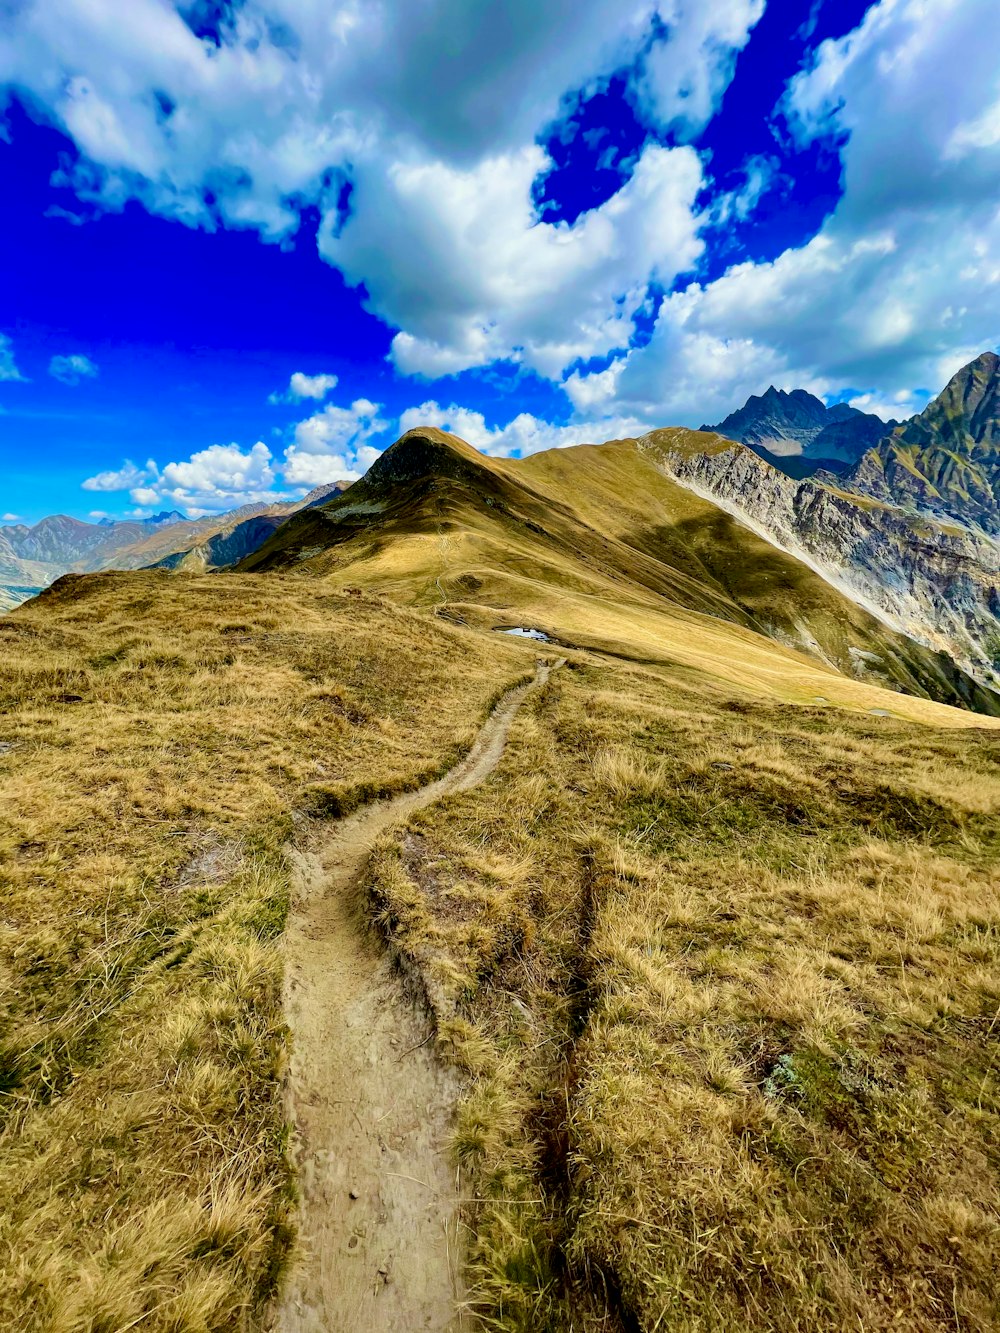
(726,980)
(159,737)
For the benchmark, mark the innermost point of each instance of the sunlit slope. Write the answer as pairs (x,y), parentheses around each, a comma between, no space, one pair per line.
(596,547)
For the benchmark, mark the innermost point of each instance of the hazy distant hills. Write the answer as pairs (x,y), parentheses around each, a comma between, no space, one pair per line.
(32,557)
(61,540)
(799,434)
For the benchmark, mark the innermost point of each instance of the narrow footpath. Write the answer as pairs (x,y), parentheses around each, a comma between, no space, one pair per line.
(381,1249)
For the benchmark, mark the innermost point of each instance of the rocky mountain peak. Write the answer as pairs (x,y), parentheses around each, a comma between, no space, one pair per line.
(423,451)
(967,410)
(946,461)
(797,425)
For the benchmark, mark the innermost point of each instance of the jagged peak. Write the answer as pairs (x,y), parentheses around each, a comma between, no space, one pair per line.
(988,361)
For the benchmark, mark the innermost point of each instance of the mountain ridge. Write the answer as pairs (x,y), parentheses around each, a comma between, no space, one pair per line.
(946,460)
(781,425)
(486,539)
(32,556)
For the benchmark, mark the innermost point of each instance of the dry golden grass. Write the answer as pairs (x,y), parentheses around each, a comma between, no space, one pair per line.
(159,738)
(722,966)
(596,547)
(725,977)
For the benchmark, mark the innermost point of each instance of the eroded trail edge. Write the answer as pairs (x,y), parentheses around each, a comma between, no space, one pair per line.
(379,1228)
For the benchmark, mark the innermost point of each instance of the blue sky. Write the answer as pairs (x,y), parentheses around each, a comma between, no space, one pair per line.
(243,245)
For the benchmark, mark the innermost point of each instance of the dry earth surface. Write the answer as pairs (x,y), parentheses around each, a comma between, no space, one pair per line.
(379,1219)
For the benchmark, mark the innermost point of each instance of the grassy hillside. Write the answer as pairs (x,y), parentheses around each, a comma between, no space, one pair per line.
(595,546)
(724,979)
(716,946)
(161,738)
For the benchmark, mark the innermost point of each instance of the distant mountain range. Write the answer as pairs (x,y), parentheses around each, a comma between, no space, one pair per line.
(32,557)
(64,541)
(797,433)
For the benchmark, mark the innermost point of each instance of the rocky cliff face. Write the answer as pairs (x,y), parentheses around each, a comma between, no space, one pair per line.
(798,424)
(938,583)
(946,461)
(224,547)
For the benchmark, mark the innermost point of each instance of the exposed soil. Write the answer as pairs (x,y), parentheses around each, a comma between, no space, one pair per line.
(380,1237)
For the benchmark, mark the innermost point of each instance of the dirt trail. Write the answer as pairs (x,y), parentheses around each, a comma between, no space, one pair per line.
(372,1105)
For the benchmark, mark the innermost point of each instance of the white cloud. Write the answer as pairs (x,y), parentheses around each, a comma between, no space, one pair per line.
(760,175)
(333,444)
(220,471)
(8,366)
(982,131)
(903,280)
(596,390)
(685,75)
(220,477)
(72,369)
(10,518)
(302,386)
(524,435)
(401,101)
(127,476)
(298,86)
(491,282)
(895,408)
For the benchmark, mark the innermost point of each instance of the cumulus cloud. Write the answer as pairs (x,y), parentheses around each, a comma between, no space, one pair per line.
(524,435)
(222,466)
(212,480)
(291,100)
(72,369)
(302,386)
(761,173)
(902,283)
(10,518)
(492,282)
(123,478)
(229,129)
(685,74)
(895,408)
(333,444)
(8,366)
